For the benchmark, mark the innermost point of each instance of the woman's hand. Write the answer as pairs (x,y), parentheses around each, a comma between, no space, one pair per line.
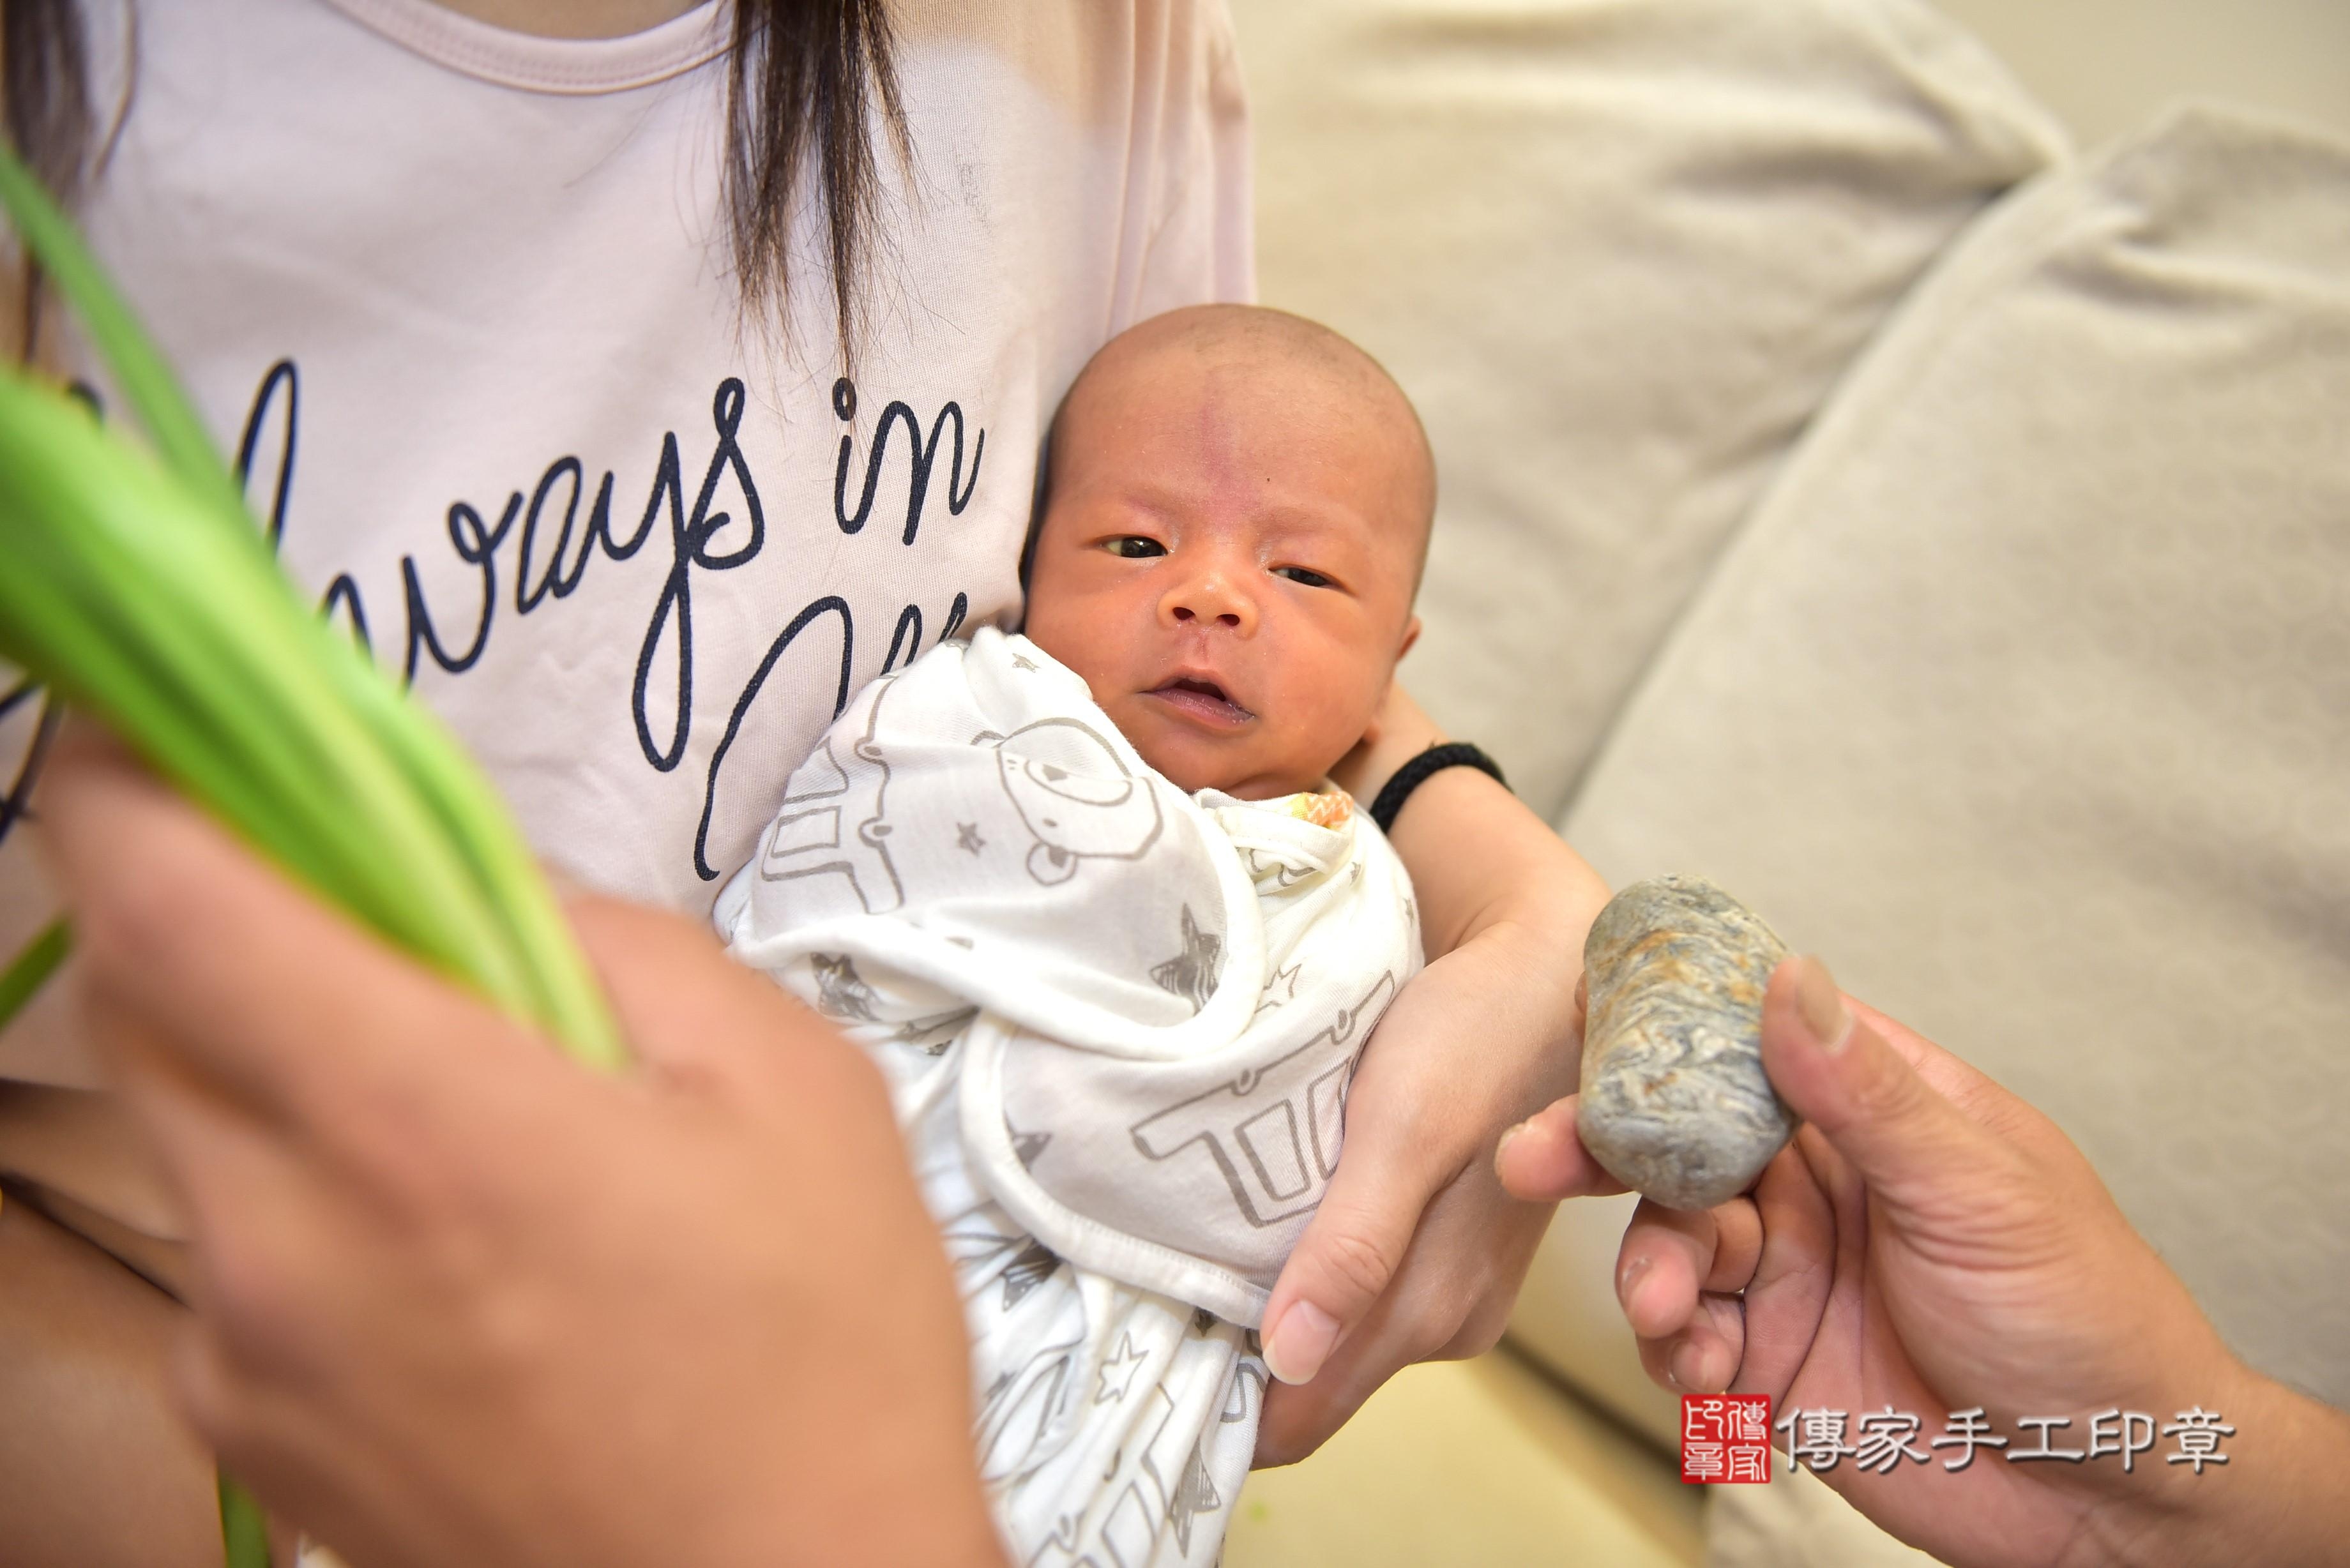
(1417,1252)
(1932,1245)
(460,1301)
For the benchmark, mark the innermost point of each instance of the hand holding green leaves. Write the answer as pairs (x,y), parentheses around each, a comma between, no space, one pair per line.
(138,589)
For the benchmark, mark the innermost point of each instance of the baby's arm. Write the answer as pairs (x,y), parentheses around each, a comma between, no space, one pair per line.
(1415,1253)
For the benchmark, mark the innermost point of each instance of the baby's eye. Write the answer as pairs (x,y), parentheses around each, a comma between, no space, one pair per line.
(1304,575)
(1134,546)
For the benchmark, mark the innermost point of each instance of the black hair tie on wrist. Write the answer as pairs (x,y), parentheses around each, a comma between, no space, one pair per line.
(1417,772)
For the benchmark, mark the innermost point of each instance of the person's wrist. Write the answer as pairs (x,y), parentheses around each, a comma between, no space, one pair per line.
(1401,732)
(1480,858)
(2277,1499)
(1405,782)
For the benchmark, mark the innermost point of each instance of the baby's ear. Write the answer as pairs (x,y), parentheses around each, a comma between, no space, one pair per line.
(1410,636)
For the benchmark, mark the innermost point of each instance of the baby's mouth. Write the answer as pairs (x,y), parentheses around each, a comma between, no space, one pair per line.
(1202,699)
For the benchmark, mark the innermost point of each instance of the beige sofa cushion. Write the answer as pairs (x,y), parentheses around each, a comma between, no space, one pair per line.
(1617,251)
(2024,699)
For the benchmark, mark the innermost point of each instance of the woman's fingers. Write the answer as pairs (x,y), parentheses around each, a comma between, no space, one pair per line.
(1351,1248)
(1542,1160)
(1450,1298)
(1403,1324)
(1415,1250)
(1464,1049)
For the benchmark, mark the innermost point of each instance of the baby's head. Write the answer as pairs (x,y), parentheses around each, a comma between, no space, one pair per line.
(1236,510)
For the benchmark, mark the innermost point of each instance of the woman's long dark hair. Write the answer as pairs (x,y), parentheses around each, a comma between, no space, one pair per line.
(45,86)
(804,76)
(805,79)
(45,92)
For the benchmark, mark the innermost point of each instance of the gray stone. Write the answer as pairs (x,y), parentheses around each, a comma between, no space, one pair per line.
(1675,1101)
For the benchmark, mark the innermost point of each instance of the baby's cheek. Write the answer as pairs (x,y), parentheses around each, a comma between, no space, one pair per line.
(1066,640)
(1330,727)
(1180,766)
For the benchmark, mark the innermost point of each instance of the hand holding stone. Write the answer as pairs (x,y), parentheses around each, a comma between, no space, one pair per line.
(1931,1244)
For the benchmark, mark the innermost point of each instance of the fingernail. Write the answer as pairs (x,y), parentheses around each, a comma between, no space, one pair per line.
(1300,1342)
(1626,1278)
(1503,1148)
(1822,1006)
(1687,1368)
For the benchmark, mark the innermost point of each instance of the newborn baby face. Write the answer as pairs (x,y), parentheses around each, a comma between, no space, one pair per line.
(1236,512)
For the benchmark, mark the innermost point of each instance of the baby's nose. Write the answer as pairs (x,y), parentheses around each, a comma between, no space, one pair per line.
(1208,599)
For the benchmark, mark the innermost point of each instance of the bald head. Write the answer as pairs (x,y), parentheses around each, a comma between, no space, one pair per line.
(1235,514)
(1330,381)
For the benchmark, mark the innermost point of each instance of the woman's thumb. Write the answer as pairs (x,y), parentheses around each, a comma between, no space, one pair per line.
(1911,1145)
(1340,1269)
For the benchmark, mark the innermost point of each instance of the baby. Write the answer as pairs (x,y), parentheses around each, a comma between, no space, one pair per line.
(1090,899)
(1238,505)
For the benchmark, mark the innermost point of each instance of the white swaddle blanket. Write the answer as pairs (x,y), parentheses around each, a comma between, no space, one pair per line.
(1120,1022)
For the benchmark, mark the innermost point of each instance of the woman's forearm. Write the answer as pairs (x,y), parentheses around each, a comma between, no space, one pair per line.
(1480,859)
